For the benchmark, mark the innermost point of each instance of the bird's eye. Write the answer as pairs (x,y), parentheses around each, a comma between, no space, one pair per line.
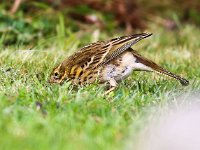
(56,74)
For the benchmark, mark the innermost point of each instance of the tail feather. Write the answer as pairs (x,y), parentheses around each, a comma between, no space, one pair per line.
(159,69)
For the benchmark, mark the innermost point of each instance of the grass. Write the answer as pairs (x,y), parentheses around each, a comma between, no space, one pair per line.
(36,115)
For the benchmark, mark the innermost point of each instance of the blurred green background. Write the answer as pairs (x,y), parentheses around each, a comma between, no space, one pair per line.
(26,21)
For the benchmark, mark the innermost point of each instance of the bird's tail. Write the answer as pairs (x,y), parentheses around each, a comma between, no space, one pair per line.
(158,69)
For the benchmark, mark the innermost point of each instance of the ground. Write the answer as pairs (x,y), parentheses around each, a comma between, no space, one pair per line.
(36,115)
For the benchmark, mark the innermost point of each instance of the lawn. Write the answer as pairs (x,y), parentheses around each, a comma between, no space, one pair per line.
(36,115)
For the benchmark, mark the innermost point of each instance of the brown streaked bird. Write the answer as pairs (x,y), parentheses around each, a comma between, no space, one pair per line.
(107,61)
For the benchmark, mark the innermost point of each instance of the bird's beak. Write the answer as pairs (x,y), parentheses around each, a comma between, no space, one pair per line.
(51,81)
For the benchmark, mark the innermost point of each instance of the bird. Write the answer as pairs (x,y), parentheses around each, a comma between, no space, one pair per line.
(109,62)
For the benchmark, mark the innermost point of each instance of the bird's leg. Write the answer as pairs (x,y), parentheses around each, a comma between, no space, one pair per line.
(113,85)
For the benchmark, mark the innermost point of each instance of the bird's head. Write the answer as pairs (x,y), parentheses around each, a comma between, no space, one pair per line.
(58,74)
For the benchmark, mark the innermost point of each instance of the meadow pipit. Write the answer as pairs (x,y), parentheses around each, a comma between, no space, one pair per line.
(107,61)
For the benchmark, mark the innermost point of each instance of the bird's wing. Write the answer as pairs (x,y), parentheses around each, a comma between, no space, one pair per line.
(118,45)
(100,53)
(89,56)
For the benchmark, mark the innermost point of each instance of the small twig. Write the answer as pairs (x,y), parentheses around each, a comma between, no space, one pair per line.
(15,6)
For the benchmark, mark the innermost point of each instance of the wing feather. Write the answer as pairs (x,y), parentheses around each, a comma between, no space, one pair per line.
(119,45)
(100,53)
